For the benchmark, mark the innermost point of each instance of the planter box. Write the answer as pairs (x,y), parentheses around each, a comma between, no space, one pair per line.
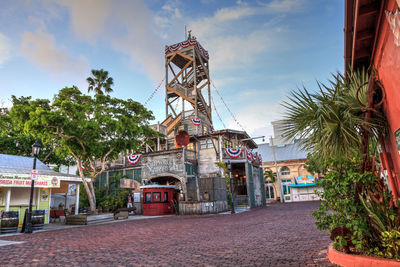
(76,219)
(347,260)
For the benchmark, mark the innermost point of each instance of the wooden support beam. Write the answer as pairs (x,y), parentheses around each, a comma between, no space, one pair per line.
(172,69)
(173,110)
(202,63)
(176,76)
(185,56)
(169,88)
(357,7)
(170,59)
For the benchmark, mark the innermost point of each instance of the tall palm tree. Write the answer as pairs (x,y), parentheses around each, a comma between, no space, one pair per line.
(100,83)
(330,122)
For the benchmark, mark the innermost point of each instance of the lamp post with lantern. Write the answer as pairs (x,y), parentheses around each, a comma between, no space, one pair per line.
(230,185)
(28,220)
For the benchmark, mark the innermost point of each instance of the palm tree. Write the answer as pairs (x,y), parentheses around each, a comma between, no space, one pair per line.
(331,122)
(270,176)
(100,82)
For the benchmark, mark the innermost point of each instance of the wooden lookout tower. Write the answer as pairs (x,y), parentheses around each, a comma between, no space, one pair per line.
(187,74)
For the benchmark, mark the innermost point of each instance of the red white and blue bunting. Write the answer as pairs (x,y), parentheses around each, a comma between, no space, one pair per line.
(187,43)
(234,153)
(259,159)
(196,121)
(133,159)
(254,156)
(249,155)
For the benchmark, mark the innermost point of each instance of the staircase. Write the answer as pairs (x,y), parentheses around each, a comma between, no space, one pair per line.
(241,202)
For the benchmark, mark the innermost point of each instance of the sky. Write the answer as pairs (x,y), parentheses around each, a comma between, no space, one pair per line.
(260,50)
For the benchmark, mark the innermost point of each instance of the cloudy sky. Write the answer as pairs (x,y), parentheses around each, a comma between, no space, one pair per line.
(259,50)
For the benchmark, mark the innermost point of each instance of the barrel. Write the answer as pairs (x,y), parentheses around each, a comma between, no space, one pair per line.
(9,222)
(37,219)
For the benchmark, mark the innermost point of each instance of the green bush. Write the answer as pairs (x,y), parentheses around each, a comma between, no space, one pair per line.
(358,210)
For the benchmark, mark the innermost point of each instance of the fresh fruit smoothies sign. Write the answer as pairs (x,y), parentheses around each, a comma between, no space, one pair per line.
(24,180)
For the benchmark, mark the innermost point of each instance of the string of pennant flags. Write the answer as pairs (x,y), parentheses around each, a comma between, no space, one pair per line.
(154,92)
(229,110)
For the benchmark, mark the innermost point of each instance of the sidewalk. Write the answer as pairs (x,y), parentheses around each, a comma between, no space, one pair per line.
(91,221)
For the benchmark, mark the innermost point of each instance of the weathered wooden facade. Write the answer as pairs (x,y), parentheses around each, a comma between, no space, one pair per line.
(193,169)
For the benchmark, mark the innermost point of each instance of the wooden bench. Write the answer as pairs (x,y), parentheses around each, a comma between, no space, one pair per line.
(123,213)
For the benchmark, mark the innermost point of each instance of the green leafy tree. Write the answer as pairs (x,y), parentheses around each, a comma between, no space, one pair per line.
(15,139)
(100,83)
(93,130)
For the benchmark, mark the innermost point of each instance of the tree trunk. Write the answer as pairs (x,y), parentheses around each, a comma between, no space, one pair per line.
(89,192)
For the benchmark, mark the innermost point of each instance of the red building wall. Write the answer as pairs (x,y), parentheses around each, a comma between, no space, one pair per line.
(387,65)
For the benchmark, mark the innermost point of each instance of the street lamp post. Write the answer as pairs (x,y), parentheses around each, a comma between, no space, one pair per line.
(230,182)
(28,220)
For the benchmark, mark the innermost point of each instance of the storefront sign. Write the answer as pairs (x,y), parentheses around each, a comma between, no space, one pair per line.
(24,180)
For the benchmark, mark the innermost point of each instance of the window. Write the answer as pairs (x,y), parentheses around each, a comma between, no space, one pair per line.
(227,144)
(147,197)
(269,190)
(285,171)
(156,197)
(165,196)
(206,143)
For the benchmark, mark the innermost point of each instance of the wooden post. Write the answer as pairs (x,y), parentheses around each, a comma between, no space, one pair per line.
(77,199)
(195,81)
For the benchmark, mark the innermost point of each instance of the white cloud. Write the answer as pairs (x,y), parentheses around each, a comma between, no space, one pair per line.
(5,49)
(88,18)
(40,48)
(128,25)
(236,36)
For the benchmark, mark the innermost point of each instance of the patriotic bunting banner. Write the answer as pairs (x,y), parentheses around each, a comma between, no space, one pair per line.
(254,156)
(249,155)
(233,152)
(259,159)
(196,121)
(133,159)
(187,43)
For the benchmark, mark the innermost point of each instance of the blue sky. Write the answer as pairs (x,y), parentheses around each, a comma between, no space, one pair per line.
(259,50)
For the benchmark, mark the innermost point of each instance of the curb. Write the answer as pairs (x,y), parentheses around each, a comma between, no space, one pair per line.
(352,260)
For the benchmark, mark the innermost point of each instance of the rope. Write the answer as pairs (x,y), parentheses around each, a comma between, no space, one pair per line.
(154,92)
(230,112)
(216,112)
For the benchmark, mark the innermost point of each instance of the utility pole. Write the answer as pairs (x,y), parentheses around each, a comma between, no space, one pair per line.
(271,142)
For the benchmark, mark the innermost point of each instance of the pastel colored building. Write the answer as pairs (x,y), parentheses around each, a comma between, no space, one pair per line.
(15,185)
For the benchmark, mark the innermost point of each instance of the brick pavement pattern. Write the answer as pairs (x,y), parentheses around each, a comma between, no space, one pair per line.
(278,235)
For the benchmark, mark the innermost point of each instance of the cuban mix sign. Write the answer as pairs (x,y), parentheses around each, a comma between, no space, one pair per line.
(24,180)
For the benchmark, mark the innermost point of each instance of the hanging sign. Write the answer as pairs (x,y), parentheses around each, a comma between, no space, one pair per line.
(233,152)
(24,180)
(34,174)
(133,159)
(196,121)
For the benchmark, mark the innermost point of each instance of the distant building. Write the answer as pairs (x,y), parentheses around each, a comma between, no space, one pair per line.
(290,161)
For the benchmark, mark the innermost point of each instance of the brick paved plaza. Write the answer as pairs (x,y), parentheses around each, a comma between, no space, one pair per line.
(278,235)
